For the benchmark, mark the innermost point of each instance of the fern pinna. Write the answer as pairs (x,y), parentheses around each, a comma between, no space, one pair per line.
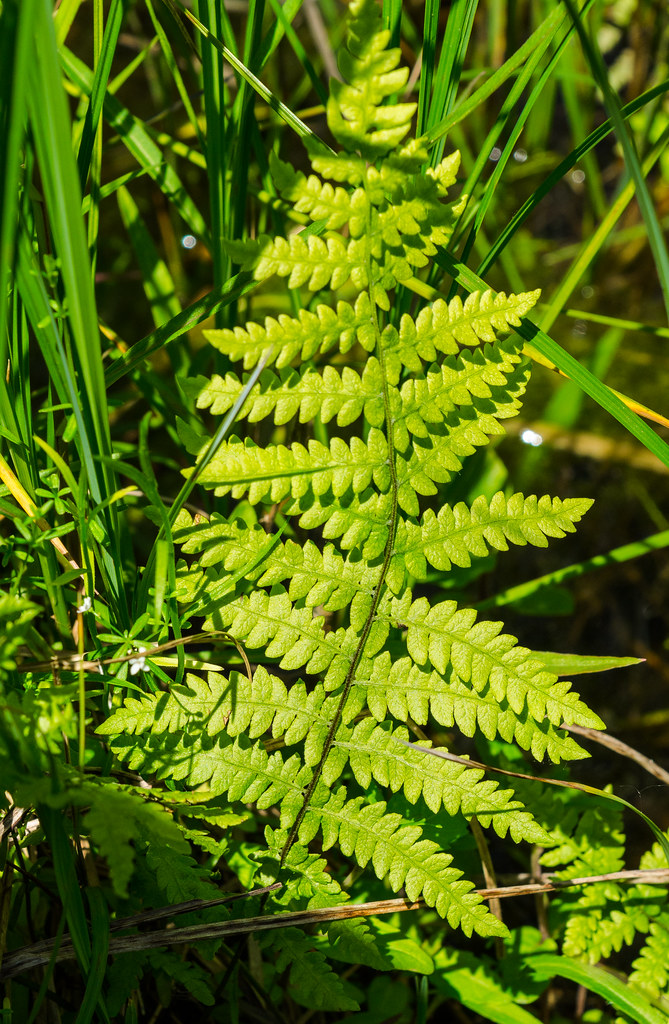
(349,650)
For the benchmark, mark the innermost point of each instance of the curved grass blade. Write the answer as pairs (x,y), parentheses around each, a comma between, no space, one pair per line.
(562,783)
(594,243)
(138,142)
(178,325)
(291,119)
(632,162)
(595,137)
(546,30)
(99,86)
(99,952)
(655,542)
(549,349)
(597,979)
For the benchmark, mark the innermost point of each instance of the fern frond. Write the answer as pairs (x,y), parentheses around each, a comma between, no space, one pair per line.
(246,772)
(276,472)
(320,577)
(319,200)
(454,535)
(426,392)
(601,922)
(401,688)
(117,819)
(397,852)
(362,523)
(309,877)
(442,327)
(651,968)
(325,394)
(375,753)
(234,705)
(320,261)
(370,75)
(438,457)
(449,638)
(312,982)
(287,338)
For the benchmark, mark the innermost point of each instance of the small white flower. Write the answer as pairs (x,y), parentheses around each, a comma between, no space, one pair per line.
(138,664)
(85,606)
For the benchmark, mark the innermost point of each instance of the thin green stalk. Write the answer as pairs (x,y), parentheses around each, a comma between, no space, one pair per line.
(633,163)
(594,243)
(636,549)
(595,137)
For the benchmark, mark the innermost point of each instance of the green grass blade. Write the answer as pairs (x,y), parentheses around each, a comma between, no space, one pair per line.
(173,65)
(655,542)
(138,142)
(632,161)
(546,30)
(548,348)
(99,953)
(16,49)
(52,134)
(456,40)
(596,979)
(67,882)
(99,86)
(428,60)
(581,664)
(179,325)
(217,149)
(510,122)
(291,119)
(596,240)
(156,279)
(284,14)
(595,137)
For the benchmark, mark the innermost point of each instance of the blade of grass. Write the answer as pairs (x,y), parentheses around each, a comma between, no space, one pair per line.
(625,553)
(508,116)
(15,56)
(595,137)
(428,59)
(173,65)
(99,86)
(597,979)
(52,134)
(546,30)
(67,882)
(284,14)
(549,349)
(616,321)
(175,328)
(291,119)
(454,46)
(594,242)
(98,969)
(632,161)
(208,455)
(217,150)
(156,279)
(139,143)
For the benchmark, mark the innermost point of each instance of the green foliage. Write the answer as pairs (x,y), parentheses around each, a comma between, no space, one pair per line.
(418,420)
(353,493)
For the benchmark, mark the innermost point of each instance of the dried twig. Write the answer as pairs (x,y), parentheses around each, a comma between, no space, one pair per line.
(39,954)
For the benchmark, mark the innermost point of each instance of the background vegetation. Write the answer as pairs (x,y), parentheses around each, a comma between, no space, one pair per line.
(136,138)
